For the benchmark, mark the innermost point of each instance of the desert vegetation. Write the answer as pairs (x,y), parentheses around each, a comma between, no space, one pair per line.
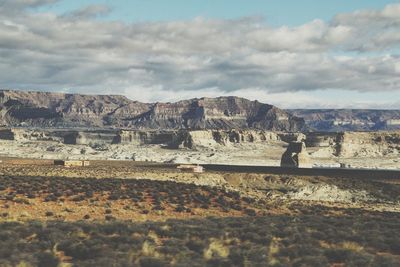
(59,221)
(109,196)
(309,240)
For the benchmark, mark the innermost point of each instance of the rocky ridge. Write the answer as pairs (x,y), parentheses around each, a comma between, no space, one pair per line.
(42,109)
(336,120)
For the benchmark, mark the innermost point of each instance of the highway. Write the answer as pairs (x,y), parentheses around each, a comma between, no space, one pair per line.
(333,172)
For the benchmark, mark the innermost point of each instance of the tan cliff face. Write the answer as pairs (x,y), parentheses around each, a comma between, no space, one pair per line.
(341,145)
(212,138)
(354,144)
(38,109)
(172,139)
(240,147)
(367,144)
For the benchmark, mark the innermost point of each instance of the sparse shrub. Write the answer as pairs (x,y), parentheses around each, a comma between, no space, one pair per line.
(180,209)
(10,197)
(30,195)
(250,212)
(394,244)
(22,201)
(68,210)
(218,262)
(108,211)
(78,198)
(109,218)
(195,245)
(248,200)
(47,259)
(49,213)
(151,262)
(204,206)
(236,207)
(359,259)
(236,256)
(78,251)
(315,261)
(384,261)
(337,255)
(113,196)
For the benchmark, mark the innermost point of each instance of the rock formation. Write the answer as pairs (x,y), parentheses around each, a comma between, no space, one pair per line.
(39,109)
(212,138)
(296,156)
(170,138)
(352,144)
(319,144)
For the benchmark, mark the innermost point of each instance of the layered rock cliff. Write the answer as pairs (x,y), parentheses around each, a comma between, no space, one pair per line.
(355,149)
(211,138)
(39,109)
(378,144)
(354,144)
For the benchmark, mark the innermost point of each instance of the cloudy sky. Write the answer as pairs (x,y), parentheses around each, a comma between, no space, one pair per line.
(291,53)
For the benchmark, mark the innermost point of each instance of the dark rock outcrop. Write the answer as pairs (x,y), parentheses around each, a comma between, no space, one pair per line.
(40,109)
(296,156)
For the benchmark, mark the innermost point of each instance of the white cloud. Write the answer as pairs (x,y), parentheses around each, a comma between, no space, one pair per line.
(91,11)
(372,30)
(200,57)
(11,6)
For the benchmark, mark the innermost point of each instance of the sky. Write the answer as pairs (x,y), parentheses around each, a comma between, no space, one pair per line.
(290,53)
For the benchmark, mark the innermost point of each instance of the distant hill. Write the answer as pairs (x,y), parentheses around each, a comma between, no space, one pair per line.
(334,120)
(43,109)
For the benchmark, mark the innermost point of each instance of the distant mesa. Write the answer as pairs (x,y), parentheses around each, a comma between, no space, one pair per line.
(337,120)
(58,110)
(42,109)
